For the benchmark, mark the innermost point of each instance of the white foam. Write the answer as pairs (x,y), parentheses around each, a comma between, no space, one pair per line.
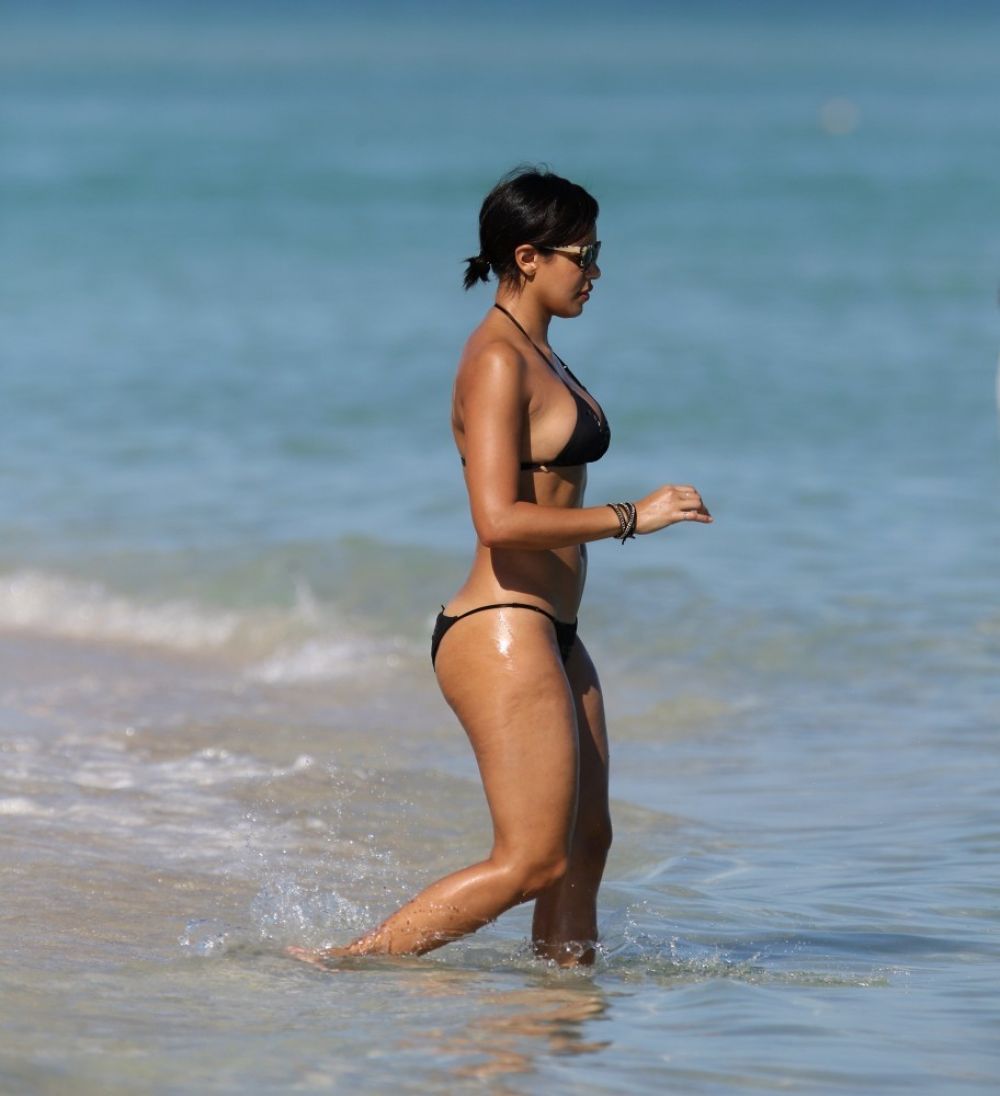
(175,810)
(324,660)
(53,605)
(20,805)
(210,767)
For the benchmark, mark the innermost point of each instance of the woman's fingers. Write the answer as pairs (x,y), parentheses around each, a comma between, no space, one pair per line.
(689,497)
(671,503)
(692,504)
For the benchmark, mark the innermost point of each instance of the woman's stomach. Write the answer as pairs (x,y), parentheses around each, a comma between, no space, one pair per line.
(552,578)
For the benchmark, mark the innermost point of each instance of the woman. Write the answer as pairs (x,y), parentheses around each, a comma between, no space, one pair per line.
(505,648)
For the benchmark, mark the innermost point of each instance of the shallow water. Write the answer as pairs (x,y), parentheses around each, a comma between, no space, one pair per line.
(229,509)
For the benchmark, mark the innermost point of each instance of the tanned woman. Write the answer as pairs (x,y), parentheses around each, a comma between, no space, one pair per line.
(505,648)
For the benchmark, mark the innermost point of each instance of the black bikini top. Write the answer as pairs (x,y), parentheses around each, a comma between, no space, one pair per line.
(591,434)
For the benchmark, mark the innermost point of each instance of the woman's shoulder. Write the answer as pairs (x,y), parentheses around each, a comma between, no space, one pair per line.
(490,359)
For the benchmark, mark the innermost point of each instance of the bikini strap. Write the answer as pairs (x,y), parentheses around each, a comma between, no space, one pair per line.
(505,605)
(545,356)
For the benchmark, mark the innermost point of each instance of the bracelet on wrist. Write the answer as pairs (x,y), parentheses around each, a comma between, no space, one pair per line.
(627,516)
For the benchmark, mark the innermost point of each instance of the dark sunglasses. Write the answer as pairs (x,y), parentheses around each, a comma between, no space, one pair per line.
(585,255)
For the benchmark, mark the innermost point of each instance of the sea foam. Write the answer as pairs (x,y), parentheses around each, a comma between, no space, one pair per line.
(51,604)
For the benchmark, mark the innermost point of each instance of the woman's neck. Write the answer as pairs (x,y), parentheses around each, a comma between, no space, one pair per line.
(528,313)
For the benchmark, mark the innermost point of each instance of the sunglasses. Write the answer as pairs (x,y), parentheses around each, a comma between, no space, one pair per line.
(585,255)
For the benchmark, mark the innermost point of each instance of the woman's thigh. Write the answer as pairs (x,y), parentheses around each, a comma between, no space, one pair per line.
(502,674)
(585,687)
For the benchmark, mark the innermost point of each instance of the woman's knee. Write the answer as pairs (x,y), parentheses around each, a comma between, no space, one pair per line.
(592,840)
(532,871)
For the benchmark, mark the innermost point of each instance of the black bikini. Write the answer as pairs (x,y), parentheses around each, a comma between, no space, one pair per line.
(565,631)
(591,434)
(589,442)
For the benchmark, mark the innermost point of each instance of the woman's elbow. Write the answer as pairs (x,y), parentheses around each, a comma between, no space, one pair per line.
(489,536)
(493,531)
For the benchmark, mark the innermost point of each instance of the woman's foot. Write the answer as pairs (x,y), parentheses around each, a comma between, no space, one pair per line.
(573,953)
(322,958)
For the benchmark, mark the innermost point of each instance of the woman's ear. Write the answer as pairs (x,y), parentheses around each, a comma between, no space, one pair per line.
(526,257)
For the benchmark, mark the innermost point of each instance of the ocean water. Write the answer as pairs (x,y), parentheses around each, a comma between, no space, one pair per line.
(230,310)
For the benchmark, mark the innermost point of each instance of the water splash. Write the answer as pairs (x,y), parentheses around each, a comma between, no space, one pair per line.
(205,936)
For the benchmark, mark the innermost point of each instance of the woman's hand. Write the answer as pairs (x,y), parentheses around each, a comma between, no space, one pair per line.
(668,505)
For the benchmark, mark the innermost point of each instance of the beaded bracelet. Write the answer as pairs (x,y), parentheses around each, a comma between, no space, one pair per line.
(627,516)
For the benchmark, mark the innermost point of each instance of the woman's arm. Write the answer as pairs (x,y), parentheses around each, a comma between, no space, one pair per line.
(494,408)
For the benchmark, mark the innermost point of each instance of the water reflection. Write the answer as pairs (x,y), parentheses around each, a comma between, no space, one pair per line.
(512,1030)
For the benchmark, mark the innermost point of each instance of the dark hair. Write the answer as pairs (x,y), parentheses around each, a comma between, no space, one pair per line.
(530,205)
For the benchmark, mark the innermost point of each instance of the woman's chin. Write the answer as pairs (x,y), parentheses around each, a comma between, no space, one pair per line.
(572,308)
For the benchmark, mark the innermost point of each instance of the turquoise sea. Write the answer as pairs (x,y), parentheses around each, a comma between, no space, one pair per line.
(230,310)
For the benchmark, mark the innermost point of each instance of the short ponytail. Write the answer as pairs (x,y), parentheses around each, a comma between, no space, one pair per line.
(478,270)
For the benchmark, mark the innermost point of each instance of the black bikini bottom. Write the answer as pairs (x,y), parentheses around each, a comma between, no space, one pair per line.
(565,632)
